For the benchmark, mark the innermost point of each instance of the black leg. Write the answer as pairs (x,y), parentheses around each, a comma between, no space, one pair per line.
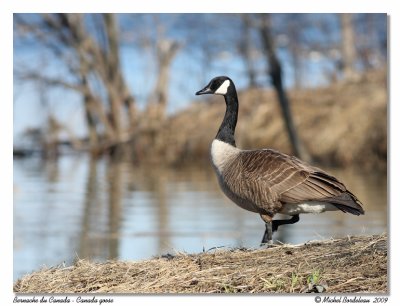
(277,223)
(267,238)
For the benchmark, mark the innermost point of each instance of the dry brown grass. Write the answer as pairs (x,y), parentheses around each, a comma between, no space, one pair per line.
(352,264)
(343,124)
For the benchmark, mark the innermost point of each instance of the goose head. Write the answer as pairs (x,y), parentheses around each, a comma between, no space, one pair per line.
(220,85)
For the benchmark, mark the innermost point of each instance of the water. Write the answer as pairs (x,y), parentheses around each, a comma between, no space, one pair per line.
(78,208)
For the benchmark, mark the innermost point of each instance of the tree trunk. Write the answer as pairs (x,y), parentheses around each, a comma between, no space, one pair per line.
(295,50)
(348,46)
(245,49)
(275,72)
(120,95)
(166,51)
(113,74)
(91,124)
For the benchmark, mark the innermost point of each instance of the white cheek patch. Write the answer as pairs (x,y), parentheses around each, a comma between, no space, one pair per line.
(223,89)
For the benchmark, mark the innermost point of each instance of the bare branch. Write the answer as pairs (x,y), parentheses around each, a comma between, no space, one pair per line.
(50,81)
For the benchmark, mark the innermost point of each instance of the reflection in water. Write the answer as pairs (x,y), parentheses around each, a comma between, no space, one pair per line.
(114,181)
(85,208)
(101,223)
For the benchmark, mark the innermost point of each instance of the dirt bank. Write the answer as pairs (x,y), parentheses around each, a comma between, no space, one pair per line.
(351,264)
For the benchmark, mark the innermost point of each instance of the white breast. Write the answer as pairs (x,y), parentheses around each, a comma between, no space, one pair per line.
(222,153)
(304,208)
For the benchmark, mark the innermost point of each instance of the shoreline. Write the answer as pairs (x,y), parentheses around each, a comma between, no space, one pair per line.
(356,264)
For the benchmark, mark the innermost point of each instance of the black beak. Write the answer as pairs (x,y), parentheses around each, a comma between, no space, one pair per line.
(204,91)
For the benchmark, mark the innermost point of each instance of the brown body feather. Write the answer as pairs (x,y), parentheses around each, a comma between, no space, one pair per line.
(266,180)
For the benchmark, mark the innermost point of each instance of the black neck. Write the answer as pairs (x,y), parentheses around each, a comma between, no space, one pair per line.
(226,132)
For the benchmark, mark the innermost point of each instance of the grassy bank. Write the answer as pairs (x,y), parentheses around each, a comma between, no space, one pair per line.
(340,125)
(351,264)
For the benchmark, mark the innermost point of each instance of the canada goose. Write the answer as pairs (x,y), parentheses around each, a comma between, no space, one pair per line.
(266,181)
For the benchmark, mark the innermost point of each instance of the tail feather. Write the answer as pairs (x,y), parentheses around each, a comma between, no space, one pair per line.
(346,202)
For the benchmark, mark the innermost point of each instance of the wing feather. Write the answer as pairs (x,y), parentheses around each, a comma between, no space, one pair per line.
(270,178)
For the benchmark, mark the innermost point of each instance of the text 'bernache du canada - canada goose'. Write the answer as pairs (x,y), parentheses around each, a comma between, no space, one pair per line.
(266,181)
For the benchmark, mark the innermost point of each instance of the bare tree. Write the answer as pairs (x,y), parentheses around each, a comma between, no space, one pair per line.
(164,49)
(348,46)
(294,46)
(371,45)
(165,52)
(245,49)
(119,94)
(275,72)
(88,59)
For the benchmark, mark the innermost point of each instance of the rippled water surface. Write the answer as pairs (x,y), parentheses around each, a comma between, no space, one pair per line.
(80,208)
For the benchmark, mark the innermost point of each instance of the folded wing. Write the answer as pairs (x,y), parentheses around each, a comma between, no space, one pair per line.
(289,180)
